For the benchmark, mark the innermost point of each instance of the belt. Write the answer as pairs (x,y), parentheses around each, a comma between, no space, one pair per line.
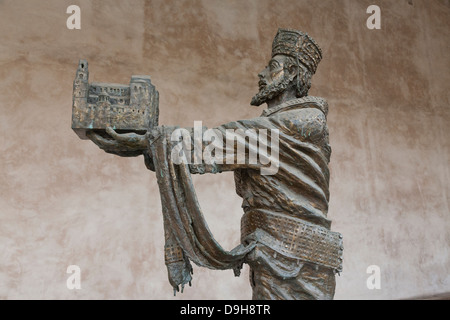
(294,238)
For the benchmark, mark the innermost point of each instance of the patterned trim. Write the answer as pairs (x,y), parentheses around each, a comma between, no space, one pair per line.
(172,254)
(295,238)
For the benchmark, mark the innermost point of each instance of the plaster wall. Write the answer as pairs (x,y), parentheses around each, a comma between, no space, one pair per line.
(65,202)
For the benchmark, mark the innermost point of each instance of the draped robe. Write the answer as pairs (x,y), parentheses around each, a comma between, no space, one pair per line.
(298,191)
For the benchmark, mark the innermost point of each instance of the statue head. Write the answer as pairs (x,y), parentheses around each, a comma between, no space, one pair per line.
(295,57)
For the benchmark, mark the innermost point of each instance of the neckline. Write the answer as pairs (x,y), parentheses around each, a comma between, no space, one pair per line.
(305,102)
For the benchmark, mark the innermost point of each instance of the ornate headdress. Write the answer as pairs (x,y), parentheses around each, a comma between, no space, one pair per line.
(298,45)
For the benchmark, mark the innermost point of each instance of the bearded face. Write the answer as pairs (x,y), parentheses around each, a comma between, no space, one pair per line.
(273,81)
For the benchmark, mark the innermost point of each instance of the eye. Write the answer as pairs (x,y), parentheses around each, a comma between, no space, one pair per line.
(273,65)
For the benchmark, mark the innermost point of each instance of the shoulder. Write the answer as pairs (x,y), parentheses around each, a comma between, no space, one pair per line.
(301,117)
(304,124)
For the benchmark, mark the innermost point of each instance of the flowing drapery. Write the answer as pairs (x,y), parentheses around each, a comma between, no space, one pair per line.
(182,213)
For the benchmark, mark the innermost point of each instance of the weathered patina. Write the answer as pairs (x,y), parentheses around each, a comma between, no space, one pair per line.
(285,233)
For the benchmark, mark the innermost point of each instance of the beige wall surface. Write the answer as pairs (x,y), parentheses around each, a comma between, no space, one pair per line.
(65,202)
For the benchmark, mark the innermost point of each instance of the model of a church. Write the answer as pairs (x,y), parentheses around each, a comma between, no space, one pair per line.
(125,108)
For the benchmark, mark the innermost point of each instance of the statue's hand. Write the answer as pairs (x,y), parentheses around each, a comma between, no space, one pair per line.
(125,145)
(179,275)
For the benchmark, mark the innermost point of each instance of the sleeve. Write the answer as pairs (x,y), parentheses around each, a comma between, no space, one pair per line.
(236,145)
(306,125)
(244,144)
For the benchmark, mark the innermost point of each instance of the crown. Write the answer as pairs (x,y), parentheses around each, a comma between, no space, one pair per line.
(298,45)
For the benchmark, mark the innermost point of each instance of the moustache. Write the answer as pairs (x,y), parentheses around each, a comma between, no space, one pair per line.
(262,84)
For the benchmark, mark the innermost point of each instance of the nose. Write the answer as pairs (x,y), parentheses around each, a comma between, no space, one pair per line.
(261,74)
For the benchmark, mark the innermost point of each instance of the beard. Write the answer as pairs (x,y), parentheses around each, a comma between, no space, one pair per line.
(271,91)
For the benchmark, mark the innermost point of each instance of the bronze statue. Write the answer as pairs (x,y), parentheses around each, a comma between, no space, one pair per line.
(285,233)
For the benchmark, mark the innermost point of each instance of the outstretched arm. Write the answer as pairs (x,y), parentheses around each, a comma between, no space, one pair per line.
(242,144)
(236,145)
